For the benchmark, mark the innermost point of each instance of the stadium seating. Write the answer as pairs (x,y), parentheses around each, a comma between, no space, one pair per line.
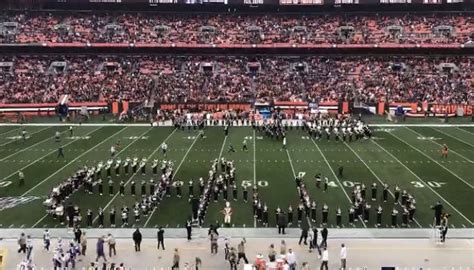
(236,79)
(34,27)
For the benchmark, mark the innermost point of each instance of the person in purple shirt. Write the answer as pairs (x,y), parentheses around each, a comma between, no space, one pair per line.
(100,249)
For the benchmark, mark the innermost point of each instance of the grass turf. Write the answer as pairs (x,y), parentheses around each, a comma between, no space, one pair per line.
(405,156)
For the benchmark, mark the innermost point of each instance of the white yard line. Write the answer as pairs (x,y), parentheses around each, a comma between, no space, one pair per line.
(174,174)
(11,130)
(72,161)
(133,175)
(39,221)
(421,135)
(12,141)
(40,158)
(222,148)
(421,180)
(442,166)
(376,176)
(254,161)
(294,177)
(335,177)
(31,146)
(465,130)
(456,138)
(254,173)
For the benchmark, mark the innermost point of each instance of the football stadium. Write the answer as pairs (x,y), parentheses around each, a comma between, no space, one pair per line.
(262,134)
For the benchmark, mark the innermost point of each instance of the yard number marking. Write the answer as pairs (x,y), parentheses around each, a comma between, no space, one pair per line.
(433,184)
(137,137)
(427,138)
(79,138)
(384,129)
(248,183)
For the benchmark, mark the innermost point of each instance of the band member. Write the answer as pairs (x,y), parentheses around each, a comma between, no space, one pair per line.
(374,191)
(444,151)
(122,188)
(178,189)
(300,212)
(363,191)
(338,217)
(124,216)
(126,165)
(143,189)
(396,194)
(405,217)
(313,211)
(325,214)
(112,217)
(101,187)
(367,212)
(385,193)
(191,188)
(394,217)
(111,187)
(290,215)
(201,186)
(351,215)
(227,211)
(152,187)
(318,180)
(234,191)
(224,193)
(136,213)
(326,183)
(379,216)
(101,217)
(265,215)
(143,166)
(117,167)
(245,194)
(154,166)
(89,218)
(134,165)
(133,188)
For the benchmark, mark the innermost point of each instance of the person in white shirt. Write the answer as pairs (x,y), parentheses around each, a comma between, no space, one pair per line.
(325,259)
(291,259)
(343,256)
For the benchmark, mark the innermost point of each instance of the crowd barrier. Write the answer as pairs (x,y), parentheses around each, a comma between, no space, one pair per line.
(290,107)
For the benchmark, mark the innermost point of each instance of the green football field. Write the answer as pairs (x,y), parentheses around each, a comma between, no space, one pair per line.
(405,156)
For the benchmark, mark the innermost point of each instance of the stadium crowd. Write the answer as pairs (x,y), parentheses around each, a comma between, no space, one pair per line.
(31,27)
(167,79)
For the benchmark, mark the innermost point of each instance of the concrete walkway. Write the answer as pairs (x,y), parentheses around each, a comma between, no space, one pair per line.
(362,253)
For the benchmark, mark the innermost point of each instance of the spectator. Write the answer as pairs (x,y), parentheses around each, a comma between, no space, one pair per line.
(161,239)
(283,247)
(343,255)
(83,242)
(22,243)
(233,259)
(137,239)
(100,249)
(213,237)
(324,236)
(271,253)
(241,252)
(291,259)
(325,259)
(176,259)
(111,242)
